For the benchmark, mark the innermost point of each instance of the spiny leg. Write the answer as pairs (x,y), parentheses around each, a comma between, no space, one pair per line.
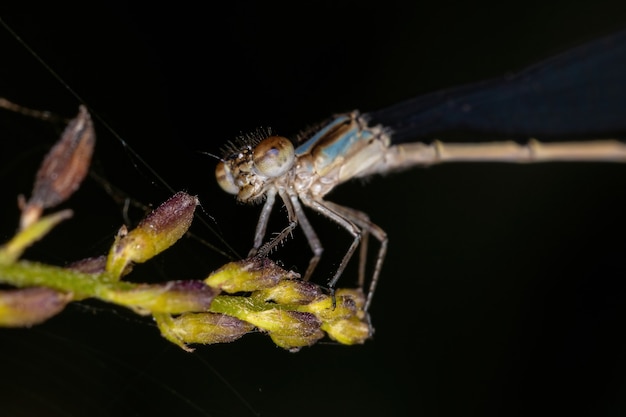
(268,247)
(323,208)
(309,233)
(261,226)
(367,227)
(363,220)
(296,216)
(280,237)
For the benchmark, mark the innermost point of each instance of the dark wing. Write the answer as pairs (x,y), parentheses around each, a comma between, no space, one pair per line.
(579,93)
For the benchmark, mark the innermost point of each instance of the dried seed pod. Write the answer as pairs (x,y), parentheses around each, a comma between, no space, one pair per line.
(63,169)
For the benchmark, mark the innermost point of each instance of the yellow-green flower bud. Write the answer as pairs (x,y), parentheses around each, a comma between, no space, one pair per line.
(251,274)
(157,232)
(323,308)
(173,297)
(209,328)
(294,343)
(291,291)
(284,321)
(288,329)
(357,296)
(348,331)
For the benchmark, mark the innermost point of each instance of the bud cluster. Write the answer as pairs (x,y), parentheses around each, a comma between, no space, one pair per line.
(253,294)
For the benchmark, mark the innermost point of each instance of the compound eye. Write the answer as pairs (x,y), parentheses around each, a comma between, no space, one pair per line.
(273,156)
(225,178)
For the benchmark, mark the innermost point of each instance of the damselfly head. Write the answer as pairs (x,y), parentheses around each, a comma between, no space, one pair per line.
(253,164)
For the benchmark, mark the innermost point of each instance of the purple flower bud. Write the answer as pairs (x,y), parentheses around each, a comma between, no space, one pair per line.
(26,307)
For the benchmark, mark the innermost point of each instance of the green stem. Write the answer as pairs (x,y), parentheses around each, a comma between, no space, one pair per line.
(29,274)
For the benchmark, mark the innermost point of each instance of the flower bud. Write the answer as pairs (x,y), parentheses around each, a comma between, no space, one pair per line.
(349,331)
(356,295)
(251,274)
(283,321)
(172,297)
(154,234)
(288,329)
(294,343)
(26,307)
(323,308)
(209,328)
(291,291)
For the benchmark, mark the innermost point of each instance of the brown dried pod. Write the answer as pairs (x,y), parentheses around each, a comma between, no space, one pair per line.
(63,169)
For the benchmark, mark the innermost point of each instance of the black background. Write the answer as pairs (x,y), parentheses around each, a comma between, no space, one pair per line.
(503,292)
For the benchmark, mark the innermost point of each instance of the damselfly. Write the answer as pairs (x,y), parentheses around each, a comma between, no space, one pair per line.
(579,93)
(507,277)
